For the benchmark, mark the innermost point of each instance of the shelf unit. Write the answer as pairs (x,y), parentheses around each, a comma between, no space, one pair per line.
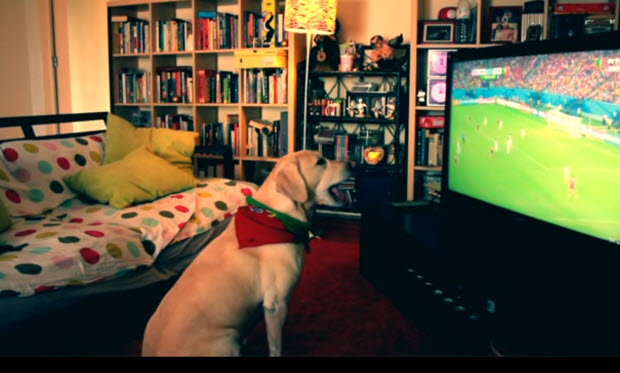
(385,130)
(429,10)
(214,59)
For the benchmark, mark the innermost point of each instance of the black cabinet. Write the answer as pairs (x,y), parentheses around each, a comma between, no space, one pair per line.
(361,117)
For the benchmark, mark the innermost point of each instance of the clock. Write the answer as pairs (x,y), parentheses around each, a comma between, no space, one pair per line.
(436,92)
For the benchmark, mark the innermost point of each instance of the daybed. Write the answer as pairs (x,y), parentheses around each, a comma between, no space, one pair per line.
(101,224)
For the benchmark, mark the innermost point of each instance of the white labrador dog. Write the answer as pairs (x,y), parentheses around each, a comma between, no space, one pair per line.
(215,301)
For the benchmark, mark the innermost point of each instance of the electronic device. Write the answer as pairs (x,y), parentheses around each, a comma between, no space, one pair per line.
(530,187)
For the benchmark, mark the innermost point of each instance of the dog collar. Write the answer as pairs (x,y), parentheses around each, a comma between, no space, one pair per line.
(295,226)
(258,224)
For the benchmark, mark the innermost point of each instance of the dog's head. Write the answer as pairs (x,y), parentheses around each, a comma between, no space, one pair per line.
(306,176)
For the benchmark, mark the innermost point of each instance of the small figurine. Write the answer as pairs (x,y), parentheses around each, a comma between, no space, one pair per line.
(377,109)
(352,109)
(390,108)
(361,108)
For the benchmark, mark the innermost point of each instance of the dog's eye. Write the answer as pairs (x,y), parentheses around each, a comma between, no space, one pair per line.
(321,162)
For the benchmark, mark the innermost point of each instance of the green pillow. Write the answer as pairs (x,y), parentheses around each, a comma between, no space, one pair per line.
(139,177)
(177,147)
(5,218)
(122,137)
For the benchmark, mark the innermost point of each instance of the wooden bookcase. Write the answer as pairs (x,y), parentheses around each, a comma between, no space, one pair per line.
(149,59)
(429,10)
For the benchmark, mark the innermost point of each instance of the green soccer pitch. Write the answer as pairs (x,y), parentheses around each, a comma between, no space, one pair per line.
(533,177)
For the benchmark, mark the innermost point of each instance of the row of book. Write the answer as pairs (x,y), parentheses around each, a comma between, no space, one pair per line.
(182,122)
(174,35)
(265,29)
(216,30)
(268,138)
(265,86)
(220,87)
(134,86)
(174,84)
(129,35)
(217,134)
(429,147)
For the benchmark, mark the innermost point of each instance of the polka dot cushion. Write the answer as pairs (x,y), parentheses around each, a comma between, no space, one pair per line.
(31,171)
(79,243)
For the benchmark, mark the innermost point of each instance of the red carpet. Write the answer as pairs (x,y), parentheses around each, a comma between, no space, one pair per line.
(335,311)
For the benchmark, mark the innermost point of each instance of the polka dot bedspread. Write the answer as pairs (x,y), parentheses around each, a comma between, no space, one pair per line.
(80,242)
(59,239)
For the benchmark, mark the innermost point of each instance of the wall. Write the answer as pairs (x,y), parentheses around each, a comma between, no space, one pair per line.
(25,69)
(361,19)
(81,45)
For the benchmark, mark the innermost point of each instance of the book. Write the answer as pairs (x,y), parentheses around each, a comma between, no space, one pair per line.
(283,133)
(268,12)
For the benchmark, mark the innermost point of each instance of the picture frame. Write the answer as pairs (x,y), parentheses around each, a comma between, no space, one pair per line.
(437,31)
(437,61)
(504,24)
(436,91)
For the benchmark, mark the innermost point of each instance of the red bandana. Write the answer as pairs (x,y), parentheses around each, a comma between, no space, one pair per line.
(256,227)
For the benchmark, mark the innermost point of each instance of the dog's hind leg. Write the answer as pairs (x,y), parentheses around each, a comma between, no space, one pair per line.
(275,314)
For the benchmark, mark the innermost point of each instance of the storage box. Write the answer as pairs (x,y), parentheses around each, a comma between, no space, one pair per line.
(261,58)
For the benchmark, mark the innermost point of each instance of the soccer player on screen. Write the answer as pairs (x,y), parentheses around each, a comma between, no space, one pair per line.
(572,187)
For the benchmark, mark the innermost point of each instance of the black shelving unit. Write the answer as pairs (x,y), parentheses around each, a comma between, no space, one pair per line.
(330,113)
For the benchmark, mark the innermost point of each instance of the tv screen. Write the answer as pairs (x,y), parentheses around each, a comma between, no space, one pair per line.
(537,132)
(530,190)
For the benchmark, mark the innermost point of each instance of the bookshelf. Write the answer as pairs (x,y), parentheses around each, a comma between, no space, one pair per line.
(420,173)
(179,52)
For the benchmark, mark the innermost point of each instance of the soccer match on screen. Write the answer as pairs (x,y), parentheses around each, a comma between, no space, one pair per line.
(540,135)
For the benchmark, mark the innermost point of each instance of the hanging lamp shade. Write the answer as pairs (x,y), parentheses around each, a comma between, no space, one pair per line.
(310,16)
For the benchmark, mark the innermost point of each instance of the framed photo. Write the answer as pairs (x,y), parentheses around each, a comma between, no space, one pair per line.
(436,91)
(437,32)
(505,24)
(438,61)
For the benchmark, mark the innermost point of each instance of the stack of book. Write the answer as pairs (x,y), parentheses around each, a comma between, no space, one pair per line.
(134,86)
(174,35)
(182,122)
(130,35)
(221,87)
(174,84)
(216,30)
(265,86)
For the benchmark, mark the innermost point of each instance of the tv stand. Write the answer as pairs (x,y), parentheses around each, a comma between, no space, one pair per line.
(400,254)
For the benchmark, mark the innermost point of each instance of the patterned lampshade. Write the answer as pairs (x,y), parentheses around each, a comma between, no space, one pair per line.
(310,16)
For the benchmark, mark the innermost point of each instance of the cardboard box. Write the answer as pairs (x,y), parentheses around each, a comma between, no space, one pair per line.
(261,58)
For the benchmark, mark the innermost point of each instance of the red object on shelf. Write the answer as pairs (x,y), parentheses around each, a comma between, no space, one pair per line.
(431,121)
(569,8)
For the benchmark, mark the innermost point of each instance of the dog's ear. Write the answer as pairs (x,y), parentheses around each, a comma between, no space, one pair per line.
(290,182)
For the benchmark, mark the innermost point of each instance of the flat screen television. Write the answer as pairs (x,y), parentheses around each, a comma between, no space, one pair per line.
(531,190)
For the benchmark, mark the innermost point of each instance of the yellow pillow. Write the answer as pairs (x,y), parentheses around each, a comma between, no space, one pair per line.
(174,146)
(122,137)
(5,218)
(139,177)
